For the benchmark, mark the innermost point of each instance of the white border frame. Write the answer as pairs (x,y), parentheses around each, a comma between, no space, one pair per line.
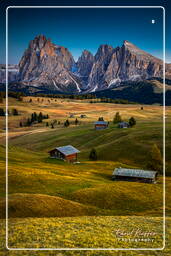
(164,196)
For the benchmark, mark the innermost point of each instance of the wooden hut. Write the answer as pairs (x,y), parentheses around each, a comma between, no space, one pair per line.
(99,125)
(66,153)
(123,125)
(135,175)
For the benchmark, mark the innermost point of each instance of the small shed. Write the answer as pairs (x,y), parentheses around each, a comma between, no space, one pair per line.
(99,125)
(123,125)
(66,153)
(138,175)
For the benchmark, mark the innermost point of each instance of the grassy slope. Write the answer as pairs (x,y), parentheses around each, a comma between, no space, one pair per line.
(32,171)
(36,178)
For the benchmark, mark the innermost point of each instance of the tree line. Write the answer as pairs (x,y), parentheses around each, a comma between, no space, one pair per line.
(35,118)
(117,119)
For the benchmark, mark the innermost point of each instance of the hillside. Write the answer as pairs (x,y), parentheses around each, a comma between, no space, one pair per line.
(84,184)
(80,196)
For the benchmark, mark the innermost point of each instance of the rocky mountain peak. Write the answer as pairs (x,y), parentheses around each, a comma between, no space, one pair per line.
(84,65)
(86,55)
(53,66)
(103,50)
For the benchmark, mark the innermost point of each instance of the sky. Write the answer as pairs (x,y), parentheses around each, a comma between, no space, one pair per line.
(84,28)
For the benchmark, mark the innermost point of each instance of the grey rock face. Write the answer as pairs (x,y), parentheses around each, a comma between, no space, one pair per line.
(53,67)
(84,65)
(99,68)
(44,63)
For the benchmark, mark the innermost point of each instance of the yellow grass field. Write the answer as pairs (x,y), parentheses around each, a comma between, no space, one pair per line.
(57,204)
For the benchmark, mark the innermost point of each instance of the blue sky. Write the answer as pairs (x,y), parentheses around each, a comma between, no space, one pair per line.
(79,29)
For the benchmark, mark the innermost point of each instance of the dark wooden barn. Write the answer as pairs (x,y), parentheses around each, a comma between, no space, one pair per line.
(135,175)
(99,125)
(66,153)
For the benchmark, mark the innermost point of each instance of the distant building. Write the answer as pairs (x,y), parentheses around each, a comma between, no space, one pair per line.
(66,153)
(71,116)
(99,125)
(135,175)
(83,116)
(123,125)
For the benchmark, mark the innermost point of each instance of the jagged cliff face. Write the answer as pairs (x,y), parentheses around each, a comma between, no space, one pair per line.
(52,66)
(84,66)
(102,60)
(46,64)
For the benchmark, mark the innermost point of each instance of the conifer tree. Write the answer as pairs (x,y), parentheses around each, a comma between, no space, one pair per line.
(117,118)
(93,155)
(155,163)
(132,121)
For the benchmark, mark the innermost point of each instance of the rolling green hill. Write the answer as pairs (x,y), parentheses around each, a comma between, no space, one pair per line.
(43,187)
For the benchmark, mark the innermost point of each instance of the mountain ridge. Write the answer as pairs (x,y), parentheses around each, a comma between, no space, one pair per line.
(48,65)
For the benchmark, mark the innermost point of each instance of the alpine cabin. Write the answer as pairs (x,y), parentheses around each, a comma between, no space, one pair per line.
(123,125)
(67,153)
(138,175)
(99,125)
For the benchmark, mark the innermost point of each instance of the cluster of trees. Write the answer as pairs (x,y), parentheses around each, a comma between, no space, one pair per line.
(117,119)
(67,122)
(34,118)
(52,124)
(14,112)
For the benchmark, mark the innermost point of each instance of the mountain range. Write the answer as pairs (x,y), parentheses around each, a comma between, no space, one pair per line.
(52,67)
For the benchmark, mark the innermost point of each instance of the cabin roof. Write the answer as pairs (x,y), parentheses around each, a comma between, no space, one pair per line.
(68,150)
(134,173)
(101,122)
(122,123)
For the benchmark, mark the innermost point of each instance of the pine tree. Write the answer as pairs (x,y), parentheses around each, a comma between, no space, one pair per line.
(2,113)
(117,118)
(21,125)
(132,121)
(28,122)
(100,119)
(66,123)
(35,117)
(93,155)
(14,112)
(40,117)
(76,121)
(32,118)
(155,163)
